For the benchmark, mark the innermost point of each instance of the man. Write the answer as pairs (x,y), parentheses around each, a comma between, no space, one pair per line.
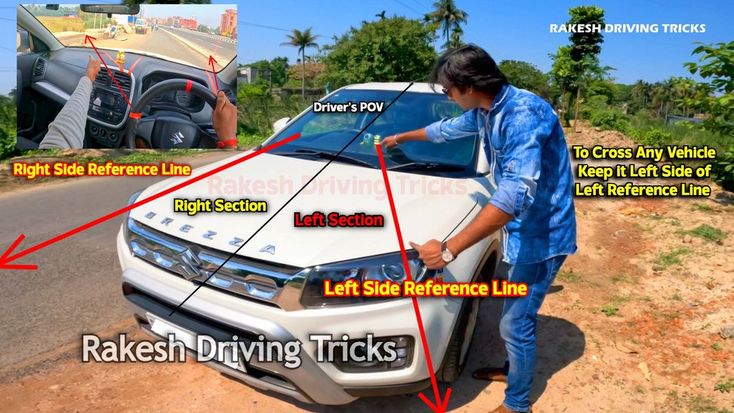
(525,145)
(67,129)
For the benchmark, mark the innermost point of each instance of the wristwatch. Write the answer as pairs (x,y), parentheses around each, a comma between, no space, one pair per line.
(446,255)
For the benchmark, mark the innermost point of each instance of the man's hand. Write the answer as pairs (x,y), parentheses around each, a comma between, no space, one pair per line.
(430,254)
(93,67)
(390,141)
(224,118)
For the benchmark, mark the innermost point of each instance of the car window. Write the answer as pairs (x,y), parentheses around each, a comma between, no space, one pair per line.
(330,132)
(330,122)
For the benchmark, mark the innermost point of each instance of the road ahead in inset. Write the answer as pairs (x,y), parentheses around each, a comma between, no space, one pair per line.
(162,42)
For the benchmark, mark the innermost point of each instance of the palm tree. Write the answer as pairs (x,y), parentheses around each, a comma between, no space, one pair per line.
(641,94)
(455,41)
(449,19)
(302,40)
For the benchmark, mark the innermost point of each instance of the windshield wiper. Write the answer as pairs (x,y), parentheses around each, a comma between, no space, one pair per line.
(327,155)
(426,166)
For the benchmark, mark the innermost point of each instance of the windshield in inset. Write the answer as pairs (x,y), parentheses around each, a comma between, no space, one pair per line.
(183,33)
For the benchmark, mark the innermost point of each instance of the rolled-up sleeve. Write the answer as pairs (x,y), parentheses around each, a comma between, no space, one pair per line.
(526,131)
(453,128)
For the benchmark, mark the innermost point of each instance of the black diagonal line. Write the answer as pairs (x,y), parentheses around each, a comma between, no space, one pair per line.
(291,198)
(462,220)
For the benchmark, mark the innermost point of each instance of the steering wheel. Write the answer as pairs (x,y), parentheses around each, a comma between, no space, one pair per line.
(169,129)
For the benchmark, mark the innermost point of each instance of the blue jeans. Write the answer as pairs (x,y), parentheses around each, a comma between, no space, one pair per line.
(517,326)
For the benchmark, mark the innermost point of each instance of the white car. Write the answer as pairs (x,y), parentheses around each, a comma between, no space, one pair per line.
(273,285)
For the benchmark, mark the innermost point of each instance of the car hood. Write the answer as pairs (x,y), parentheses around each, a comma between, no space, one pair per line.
(428,207)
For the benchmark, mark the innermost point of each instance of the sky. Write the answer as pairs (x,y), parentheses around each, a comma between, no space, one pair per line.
(516,30)
(508,30)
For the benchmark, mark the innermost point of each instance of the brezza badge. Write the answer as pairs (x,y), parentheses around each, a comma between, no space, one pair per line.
(270,249)
(208,234)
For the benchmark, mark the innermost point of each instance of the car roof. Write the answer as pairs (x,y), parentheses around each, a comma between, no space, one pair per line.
(419,87)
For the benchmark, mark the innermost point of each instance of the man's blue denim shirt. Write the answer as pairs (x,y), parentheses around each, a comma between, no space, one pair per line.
(526,149)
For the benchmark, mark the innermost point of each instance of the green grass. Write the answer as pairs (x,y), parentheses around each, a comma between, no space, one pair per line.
(681,133)
(609,310)
(672,257)
(136,156)
(612,308)
(149,156)
(701,207)
(248,141)
(700,404)
(568,276)
(725,387)
(708,233)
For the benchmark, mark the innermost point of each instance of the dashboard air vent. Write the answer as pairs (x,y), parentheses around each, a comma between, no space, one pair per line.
(103,79)
(40,68)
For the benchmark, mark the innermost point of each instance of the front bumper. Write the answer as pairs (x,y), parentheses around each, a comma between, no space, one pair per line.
(150,289)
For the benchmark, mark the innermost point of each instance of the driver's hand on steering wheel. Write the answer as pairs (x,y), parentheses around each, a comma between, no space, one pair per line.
(224,120)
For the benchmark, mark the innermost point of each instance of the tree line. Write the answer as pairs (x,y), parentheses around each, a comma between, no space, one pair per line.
(395,48)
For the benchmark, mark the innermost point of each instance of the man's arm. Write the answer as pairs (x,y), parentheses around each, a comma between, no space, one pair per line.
(67,130)
(489,220)
(439,131)
(526,132)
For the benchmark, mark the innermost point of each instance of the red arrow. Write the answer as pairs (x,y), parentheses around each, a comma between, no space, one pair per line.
(214,72)
(88,38)
(6,258)
(440,405)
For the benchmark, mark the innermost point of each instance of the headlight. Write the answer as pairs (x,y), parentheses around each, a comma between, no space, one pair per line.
(125,230)
(380,268)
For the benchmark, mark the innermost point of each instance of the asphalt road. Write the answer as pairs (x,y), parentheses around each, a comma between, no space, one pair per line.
(223,49)
(76,288)
(156,42)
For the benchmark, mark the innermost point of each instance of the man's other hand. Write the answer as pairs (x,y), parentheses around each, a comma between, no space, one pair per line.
(430,254)
(93,67)
(224,118)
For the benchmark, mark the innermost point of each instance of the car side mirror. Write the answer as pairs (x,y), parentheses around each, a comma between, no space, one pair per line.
(280,124)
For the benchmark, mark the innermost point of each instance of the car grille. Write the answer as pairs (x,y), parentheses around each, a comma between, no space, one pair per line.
(268,283)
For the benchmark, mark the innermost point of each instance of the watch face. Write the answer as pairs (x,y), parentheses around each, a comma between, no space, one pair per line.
(447,256)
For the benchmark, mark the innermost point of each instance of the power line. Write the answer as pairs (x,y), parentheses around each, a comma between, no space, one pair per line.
(421,5)
(409,7)
(264,26)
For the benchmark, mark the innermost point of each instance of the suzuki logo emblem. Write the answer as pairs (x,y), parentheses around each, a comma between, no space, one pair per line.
(177,138)
(270,249)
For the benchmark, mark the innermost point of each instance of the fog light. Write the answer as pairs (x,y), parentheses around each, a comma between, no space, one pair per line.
(403,349)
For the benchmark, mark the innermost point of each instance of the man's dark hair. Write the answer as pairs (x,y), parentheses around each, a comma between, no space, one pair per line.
(468,66)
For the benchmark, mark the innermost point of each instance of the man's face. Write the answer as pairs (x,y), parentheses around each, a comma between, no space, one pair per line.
(464,99)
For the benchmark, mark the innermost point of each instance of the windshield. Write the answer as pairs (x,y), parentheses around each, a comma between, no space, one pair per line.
(329,132)
(185,34)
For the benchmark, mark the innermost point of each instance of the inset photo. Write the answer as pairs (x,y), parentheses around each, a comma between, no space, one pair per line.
(106,76)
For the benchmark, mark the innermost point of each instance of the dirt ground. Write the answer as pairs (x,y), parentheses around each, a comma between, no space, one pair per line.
(635,322)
